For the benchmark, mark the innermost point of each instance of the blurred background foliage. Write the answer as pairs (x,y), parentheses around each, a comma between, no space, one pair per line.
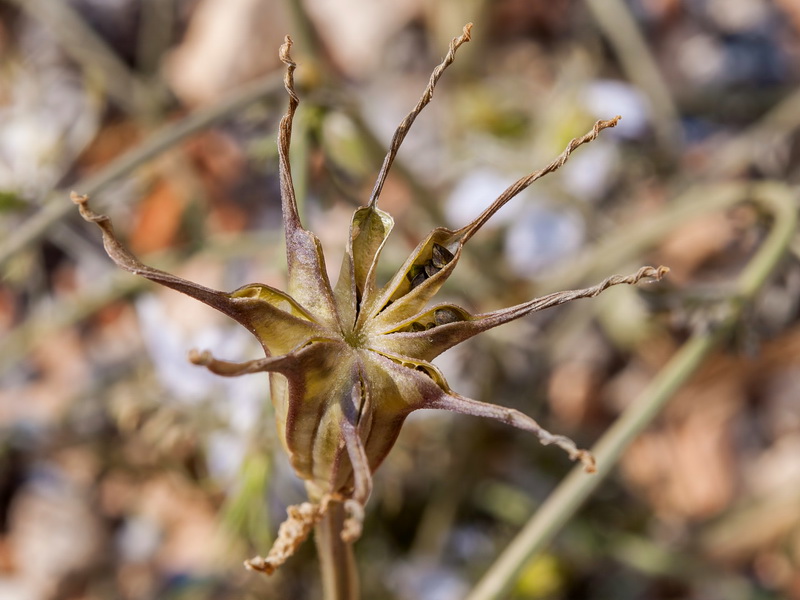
(125,472)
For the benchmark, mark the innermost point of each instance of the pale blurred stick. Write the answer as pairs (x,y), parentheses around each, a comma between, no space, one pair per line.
(157,23)
(778,124)
(630,46)
(57,206)
(562,504)
(625,243)
(88,49)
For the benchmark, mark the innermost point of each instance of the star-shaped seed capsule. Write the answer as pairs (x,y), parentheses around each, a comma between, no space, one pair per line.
(348,363)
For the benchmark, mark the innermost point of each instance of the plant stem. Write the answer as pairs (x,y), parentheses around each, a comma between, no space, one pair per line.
(338,565)
(571,493)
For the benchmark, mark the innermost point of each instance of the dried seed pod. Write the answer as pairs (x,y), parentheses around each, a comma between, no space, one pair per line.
(349,363)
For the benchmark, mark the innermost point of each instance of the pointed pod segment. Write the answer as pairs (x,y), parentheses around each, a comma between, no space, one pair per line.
(308,276)
(369,229)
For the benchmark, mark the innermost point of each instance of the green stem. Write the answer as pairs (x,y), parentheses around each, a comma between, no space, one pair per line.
(338,565)
(572,492)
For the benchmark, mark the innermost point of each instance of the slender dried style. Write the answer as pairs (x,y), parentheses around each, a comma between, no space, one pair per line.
(405,125)
(347,364)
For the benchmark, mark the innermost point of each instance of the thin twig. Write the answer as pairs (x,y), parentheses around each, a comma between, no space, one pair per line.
(308,38)
(617,249)
(574,490)
(777,124)
(155,33)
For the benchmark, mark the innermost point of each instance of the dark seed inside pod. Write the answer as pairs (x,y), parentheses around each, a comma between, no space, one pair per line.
(417,326)
(414,271)
(418,279)
(443,316)
(431,270)
(441,256)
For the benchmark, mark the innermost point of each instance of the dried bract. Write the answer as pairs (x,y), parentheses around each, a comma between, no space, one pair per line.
(348,363)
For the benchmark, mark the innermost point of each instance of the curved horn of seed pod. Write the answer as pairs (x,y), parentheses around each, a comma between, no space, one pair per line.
(430,343)
(308,277)
(370,226)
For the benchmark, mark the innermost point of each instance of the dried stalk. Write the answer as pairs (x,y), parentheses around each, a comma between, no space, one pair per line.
(337,562)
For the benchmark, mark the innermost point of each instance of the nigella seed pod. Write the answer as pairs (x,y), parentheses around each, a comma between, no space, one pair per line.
(348,363)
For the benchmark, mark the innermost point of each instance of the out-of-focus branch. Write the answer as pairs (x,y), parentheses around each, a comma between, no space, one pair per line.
(623,33)
(780,122)
(57,205)
(155,33)
(573,491)
(616,249)
(83,45)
